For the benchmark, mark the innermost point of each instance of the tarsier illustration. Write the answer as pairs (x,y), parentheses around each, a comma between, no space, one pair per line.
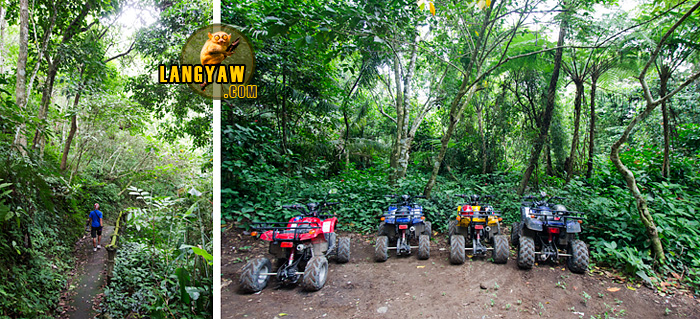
(216,49)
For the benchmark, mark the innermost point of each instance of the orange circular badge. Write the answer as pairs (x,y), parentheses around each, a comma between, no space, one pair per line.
(217,62)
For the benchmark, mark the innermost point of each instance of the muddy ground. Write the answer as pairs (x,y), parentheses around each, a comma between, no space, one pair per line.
(433,288)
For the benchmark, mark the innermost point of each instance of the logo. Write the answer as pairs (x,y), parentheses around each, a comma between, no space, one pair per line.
(217,61)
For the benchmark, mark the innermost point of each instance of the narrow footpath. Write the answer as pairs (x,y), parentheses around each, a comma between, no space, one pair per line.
(88,278)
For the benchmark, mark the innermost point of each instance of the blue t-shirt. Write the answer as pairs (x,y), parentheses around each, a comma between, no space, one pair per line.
(95,215)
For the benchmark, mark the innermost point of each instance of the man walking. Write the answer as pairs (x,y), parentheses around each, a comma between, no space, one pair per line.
(96,227)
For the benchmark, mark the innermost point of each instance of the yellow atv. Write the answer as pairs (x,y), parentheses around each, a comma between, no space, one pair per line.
(479,223)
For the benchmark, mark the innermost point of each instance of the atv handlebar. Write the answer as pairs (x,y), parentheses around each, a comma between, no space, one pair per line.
(399,196)
(331,203)
(557,212)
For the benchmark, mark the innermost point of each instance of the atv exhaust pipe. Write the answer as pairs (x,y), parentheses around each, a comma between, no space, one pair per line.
(412,229)
(487,229)
(300,247)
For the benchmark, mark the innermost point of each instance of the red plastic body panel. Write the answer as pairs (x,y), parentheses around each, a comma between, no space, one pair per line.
(316,225)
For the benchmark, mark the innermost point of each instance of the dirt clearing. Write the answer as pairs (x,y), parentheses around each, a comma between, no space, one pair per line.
(434,288)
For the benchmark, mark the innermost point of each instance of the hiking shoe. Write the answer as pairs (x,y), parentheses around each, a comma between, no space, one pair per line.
(94,248)
(99,247)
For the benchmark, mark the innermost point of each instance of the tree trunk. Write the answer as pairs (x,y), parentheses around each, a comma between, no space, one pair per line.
(396,146)
(456,113)
(69,140)
(549,108)
(73,124)
(640,199)
(21,88)
(457,106)
(45,102)
(407,138)
(45,43)
(591,129)
(484,157)
(549,170)
(663,90)
(284,114)
(642,207)
(2,39)
(577,120)
(71,30)
(345,140)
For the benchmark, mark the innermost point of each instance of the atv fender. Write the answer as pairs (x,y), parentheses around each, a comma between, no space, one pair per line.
(524,211)
(572,226)
(533,224)
(320,246)
(419,227)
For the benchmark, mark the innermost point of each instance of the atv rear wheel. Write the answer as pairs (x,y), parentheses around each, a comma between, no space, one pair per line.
(451,229)
(500,249)
(526,252)
(515,234)
(343,250)
(423,247)
(332,248)
(381,248)
(578,261)
(251,278)
(457,256)
(315,273)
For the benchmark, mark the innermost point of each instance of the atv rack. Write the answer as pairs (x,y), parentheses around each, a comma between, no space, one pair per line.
(555,213)
(276,230)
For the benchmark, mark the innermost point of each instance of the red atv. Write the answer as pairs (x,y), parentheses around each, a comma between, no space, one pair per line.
(301,247)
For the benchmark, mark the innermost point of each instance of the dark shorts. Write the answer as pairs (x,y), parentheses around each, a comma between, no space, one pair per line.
(95,231)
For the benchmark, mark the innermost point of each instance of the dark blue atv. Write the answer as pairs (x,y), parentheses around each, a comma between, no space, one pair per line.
(544,230)
(402,224)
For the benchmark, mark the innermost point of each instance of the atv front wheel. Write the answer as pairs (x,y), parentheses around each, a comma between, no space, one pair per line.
(500,249)
(428,229)
(252,279)
(315,273)
(515,234)
(526,252)
(457,249)
(423,247)
(381,248)
(381,231)
(578,261)
(451,230)
(343,250)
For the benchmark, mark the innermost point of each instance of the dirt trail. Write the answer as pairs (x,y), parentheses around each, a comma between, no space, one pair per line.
(88,279)
(434,288)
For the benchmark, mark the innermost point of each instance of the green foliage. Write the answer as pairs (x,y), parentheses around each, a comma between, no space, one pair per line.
(38,228)
(167,242)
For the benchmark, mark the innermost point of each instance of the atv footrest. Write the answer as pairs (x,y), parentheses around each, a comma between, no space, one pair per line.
(275,274)
(394,248)
(560,255)
(487,248)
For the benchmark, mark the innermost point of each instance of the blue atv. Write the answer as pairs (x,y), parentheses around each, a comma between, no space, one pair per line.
(547,231)
(402,224)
